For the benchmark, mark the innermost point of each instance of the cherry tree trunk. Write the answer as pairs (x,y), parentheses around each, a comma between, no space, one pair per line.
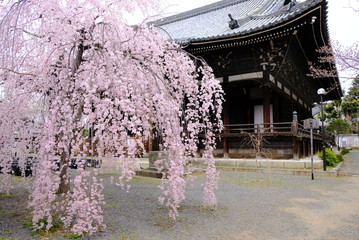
(64,186)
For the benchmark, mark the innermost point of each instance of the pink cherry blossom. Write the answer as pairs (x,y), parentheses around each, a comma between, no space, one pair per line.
(77,81)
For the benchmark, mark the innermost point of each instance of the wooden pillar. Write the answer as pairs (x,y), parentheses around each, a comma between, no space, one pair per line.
(225,116)
(276,109)
(295,127)
(225,147)
(301,153)
(266,107)
(296,145)
(250,111)
(302,148)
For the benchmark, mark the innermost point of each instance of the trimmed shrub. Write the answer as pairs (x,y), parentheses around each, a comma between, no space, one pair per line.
(331,157)
(340,157)
(344,151)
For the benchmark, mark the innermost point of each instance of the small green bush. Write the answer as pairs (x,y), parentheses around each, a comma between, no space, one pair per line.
(331,157)
(340,157)
(73,236)
(344,151)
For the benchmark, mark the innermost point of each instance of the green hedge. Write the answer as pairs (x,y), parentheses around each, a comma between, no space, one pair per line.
(340,157)
(344,151)
(331,158)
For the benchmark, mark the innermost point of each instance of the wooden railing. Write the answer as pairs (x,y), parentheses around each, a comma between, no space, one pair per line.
(272,129)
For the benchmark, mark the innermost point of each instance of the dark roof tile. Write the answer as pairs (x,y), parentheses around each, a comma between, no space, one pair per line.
(211,22)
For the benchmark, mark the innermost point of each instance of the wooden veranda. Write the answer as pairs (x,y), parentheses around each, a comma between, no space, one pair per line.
(274,140)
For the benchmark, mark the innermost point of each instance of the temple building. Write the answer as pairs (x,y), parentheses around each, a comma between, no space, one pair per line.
(260,50)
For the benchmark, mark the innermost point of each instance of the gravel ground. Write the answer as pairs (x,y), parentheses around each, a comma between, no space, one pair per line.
(250,206)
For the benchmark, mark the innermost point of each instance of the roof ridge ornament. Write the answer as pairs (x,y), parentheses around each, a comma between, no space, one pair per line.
(290,3)
(232,23)
(286,2)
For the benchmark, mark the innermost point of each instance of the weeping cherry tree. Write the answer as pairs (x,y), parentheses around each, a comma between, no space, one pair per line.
(72,65)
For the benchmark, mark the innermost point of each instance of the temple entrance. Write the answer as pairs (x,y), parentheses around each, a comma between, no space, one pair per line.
(258,116)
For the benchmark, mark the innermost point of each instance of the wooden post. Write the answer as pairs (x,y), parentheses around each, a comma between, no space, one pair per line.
(226,130)
(266,108)
(295,127)
(296,146)
(225,147)
(300,148)
(276,110)
(225,117)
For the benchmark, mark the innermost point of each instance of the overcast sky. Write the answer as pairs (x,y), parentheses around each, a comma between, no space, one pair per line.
(342,20)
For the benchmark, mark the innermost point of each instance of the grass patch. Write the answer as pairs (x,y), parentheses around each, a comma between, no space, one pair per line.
(47,234)
(56,230)
(73,235)
(125,237)
(139,179)
(27,225)
(111,205)
(10,238)
(148,170)
(5,196)
(8,231)
(210,210)
(109,174)
(166,223)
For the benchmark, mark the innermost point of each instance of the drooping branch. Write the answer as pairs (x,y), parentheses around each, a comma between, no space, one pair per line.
(18,73)
(346,58)
(32,34)
(351,5)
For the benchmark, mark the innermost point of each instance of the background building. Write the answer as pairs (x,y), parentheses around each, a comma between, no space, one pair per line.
(260,50)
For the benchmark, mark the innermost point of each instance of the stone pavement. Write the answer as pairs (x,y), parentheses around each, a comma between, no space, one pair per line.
(350,166)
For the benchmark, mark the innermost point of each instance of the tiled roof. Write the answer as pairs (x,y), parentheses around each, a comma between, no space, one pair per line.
(211,22)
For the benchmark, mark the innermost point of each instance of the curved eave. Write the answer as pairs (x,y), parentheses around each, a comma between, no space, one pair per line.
(334,86)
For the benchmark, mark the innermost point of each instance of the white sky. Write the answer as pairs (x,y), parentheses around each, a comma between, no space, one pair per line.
(342,20)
